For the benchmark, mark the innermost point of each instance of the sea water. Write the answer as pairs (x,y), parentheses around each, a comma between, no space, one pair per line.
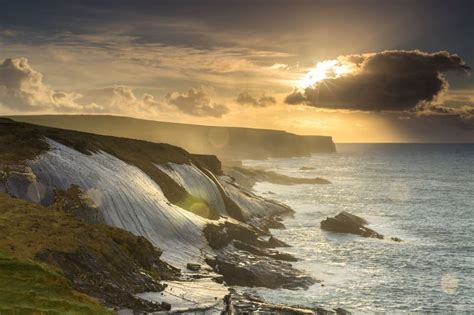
(421,193)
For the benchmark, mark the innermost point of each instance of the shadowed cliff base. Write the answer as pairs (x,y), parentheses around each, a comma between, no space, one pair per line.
(231,142)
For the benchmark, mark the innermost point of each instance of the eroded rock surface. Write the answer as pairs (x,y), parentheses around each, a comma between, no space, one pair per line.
(245,303)
(244,256)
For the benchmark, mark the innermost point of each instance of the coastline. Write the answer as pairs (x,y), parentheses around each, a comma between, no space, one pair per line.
(227,226)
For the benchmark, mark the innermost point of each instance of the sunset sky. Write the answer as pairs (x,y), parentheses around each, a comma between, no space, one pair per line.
(360,71)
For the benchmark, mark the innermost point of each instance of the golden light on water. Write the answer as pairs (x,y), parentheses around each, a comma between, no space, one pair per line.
(449,283)
(325,70)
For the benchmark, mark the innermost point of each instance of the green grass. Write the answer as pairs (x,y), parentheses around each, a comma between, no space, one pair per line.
(27,287)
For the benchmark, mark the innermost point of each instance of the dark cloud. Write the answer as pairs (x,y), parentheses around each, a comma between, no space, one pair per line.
(196,102)
(386,81)
(465,112)
(245,98)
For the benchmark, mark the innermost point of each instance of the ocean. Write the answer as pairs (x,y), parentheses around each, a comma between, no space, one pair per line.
(421,193)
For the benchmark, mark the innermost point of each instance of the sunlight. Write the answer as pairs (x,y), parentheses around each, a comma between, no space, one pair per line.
(324,70)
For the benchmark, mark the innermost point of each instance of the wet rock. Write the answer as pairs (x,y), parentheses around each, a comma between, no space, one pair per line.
(221,234)
(341,311)
(345,222)
(193,267)
(244,303)
(165,306)
(272,223)
(323,311)
(396,239)
(264,252)
(244,269)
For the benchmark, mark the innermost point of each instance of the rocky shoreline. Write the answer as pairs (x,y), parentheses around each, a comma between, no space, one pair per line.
(164,218)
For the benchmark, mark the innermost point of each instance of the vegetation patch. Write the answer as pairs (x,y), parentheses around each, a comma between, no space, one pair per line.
(107,263)
(28,287)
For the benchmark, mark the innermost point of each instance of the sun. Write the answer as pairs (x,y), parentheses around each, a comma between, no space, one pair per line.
(324,70)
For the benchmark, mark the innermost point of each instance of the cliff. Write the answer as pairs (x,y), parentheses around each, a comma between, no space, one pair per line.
(226,142)
(150,207)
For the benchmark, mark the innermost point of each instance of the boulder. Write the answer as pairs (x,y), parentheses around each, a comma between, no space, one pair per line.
(193,267)
(345,222)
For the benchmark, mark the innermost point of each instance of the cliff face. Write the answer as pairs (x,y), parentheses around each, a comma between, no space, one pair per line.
(227,142)
(183,209)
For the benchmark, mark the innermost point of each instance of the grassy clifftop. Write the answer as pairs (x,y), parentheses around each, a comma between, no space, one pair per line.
(227,142)
(104,262)
(28,287)
(20,142)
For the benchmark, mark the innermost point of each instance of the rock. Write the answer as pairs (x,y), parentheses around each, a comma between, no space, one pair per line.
(165,306)
(193,267)
(345,222)
(341,311)
(221,234)
(245,303)
(211,162)
(264,252)
(323,311)
(74,201)
(247,177)
(396,239)
(306,168)
(244,269)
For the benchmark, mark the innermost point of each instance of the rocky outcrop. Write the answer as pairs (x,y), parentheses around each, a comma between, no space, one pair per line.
(255,210)
(244,269)
(222,233)
(247,177)
(345,222)
(245,303)
(210,162)
(271,253)
(80,205)
(244,257)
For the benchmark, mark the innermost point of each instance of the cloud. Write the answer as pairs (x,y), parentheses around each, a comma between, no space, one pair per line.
(121,98)
(245,98)
(22,88)
(396,80)
(196,102)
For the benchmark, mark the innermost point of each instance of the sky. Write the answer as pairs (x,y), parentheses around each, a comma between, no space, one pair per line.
(360,71)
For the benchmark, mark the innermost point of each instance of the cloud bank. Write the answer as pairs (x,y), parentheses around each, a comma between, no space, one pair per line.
(395,80)
(22,89)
